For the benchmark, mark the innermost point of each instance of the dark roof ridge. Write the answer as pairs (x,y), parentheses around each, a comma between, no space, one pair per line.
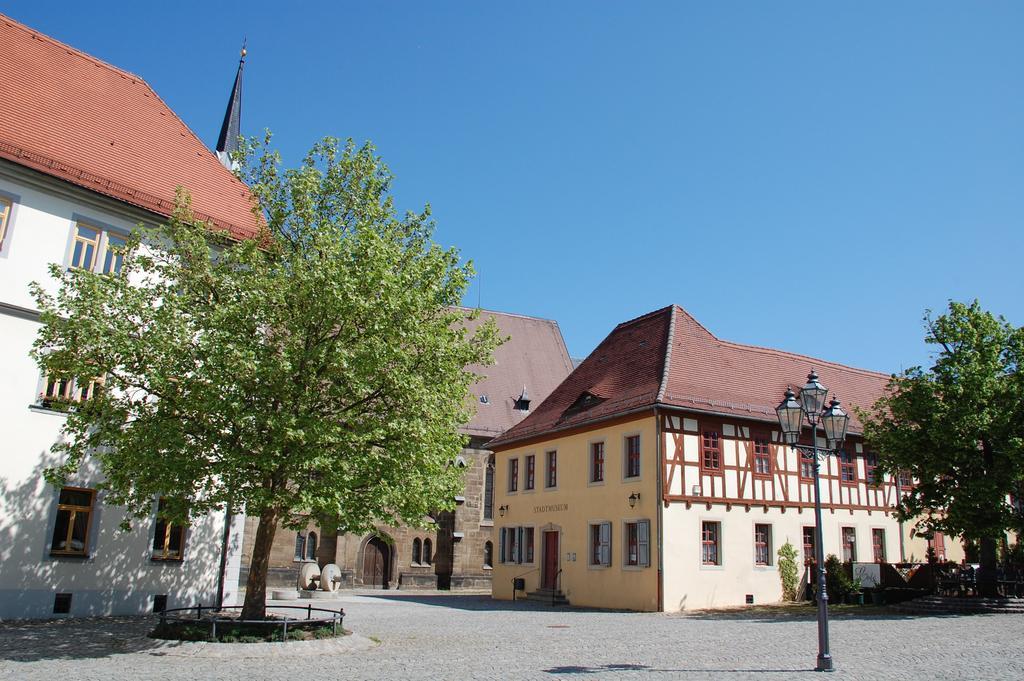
(72,50)
(641,318)
(693,319)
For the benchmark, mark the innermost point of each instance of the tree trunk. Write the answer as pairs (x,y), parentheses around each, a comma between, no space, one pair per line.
(255,606)
(986,576)
(985,579)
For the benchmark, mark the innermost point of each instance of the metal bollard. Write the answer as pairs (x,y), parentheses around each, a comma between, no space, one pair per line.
(284,638)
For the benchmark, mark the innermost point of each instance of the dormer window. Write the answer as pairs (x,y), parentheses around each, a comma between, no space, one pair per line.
(523,401)
(586,400)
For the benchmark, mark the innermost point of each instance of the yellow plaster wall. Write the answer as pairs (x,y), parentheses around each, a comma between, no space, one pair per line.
(572,506)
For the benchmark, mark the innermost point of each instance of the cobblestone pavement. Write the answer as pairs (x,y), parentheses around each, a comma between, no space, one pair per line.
(441,636)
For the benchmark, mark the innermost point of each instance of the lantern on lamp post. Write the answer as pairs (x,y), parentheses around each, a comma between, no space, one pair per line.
(834,420)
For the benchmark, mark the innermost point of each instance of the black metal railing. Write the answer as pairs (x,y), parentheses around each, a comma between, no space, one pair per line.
(334,619)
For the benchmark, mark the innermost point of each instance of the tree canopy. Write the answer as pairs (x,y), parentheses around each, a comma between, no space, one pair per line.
(958,427)
(318,371)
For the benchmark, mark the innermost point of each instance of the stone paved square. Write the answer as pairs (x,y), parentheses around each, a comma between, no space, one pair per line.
(444,636)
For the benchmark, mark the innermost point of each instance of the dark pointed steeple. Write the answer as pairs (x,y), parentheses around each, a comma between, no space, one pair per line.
(231,128)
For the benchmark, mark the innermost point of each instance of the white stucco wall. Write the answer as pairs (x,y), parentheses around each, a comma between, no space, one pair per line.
(118,576)
(690,585)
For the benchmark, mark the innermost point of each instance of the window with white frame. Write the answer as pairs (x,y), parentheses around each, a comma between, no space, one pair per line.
(96,249)
(638,543)
(601,544)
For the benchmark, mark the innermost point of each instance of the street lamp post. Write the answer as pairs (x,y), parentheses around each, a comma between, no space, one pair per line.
(792,412)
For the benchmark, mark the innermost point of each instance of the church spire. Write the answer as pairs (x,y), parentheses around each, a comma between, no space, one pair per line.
(227,142)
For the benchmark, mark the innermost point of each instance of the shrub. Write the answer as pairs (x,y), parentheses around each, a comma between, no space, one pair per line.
(837,581)
(788,571)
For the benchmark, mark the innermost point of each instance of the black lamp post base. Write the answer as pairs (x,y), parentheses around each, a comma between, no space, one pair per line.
(825,664)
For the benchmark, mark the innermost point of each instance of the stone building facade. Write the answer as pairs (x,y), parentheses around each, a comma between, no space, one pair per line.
(458,550)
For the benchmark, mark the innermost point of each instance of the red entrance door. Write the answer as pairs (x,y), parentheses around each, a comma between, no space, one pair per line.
(549,577)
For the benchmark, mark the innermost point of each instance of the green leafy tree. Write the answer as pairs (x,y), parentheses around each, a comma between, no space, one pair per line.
(958,429)
(788,571)
(317,372)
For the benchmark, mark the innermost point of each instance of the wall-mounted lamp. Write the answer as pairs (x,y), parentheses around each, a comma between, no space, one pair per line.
(501,510)
(633,498)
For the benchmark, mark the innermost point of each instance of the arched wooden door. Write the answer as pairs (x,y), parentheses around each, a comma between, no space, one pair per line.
(376,564)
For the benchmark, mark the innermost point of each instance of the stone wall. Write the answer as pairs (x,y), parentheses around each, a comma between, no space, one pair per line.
(457,544)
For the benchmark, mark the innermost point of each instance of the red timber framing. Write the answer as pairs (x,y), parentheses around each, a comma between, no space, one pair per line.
(725,460)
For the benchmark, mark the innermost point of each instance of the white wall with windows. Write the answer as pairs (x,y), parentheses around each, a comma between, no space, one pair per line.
(718,556)
(52,543)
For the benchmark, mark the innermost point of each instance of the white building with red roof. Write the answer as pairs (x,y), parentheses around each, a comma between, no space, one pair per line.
(88,151)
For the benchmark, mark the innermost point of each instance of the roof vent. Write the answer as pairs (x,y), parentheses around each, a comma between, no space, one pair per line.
(484,399)
(523,401)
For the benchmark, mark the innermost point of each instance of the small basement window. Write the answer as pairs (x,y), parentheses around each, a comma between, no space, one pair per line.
(61,604)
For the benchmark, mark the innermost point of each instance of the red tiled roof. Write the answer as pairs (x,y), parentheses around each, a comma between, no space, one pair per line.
(534,356)
(72,116)
(667,357)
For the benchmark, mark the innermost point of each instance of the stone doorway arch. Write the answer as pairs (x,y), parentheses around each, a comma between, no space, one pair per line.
(376,563)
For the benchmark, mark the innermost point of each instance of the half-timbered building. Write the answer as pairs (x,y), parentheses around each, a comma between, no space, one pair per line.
(660,482)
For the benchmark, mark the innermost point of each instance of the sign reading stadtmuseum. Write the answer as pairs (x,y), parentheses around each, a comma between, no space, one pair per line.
(550,508)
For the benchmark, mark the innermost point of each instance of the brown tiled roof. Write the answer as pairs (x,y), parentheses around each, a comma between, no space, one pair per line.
(72,116)
(534,356)
(667,357)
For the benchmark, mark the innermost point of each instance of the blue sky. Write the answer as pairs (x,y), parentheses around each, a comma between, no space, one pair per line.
(806,176)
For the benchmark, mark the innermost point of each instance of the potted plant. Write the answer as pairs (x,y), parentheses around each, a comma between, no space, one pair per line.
(854,596)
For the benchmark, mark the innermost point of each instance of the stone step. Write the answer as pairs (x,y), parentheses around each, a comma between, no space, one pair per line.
(927,605)
(547,596)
